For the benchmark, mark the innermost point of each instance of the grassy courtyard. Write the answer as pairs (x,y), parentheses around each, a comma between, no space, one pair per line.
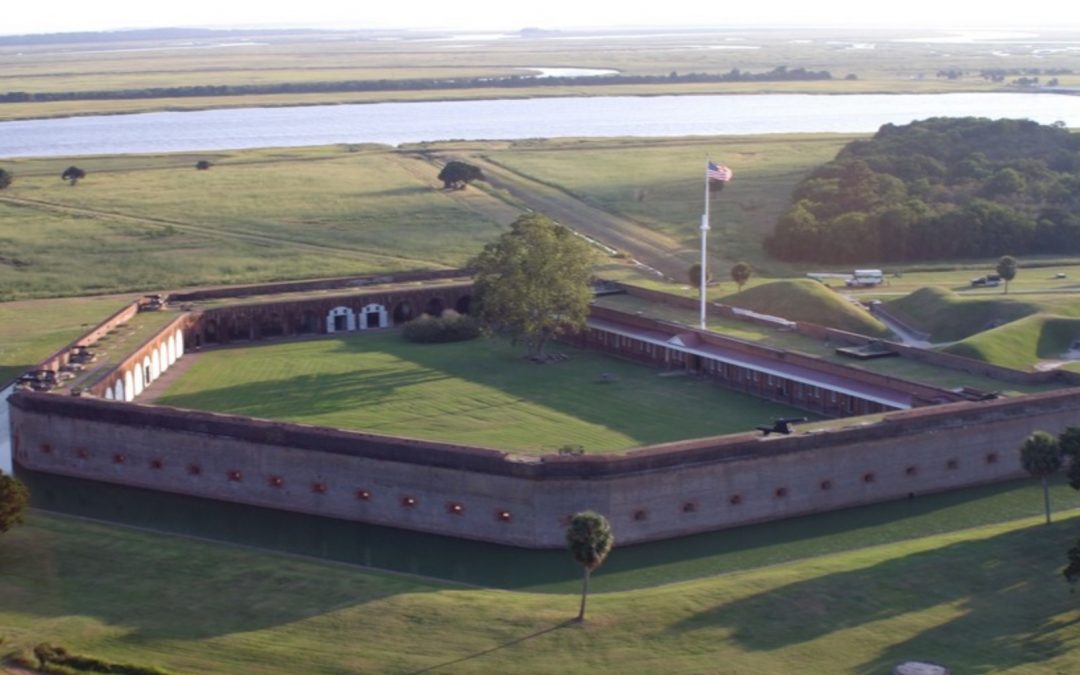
(480,392)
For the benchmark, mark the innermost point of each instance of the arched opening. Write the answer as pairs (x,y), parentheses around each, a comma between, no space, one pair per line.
(163,356)
(309,322)
(170,349)
(138,381)
(403,312)
(109,396)
(272,326)
(463,304)
(240,328)
(340,319)
(180,343)
(210,333)
(155,366)
(146,368)
(434,307)
(128,388)
(373,316)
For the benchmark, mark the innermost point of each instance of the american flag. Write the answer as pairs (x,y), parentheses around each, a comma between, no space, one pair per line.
(720,173)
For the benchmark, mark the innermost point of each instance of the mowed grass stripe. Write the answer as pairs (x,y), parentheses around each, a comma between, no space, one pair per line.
(986,600)
(480,392)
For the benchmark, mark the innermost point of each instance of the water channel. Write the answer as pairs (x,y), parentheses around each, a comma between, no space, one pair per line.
(601,116)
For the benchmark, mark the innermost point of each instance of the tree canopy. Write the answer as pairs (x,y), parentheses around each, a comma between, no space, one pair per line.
(741,273)
(5,179)
(13,500)
(1006,269)
(456,175)
(590,539)
(532,283)
(1040,455)
(73,174)
(938,188)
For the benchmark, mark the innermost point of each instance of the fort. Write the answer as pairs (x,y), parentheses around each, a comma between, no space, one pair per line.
(891,438)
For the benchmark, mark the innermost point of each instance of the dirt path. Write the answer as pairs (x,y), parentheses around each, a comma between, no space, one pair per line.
(651,248)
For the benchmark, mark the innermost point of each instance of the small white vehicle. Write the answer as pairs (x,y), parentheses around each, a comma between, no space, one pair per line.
(865,278)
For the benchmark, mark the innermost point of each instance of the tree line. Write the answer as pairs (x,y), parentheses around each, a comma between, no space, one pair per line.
(938,189)
(778,74)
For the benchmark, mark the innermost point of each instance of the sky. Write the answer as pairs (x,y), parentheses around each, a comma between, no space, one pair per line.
(78,15)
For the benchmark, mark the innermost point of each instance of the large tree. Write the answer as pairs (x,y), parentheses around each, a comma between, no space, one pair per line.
(1040,455)
(532,283)
(456,175)
(5,178)
(589,539)
(1006,268)
(13,499)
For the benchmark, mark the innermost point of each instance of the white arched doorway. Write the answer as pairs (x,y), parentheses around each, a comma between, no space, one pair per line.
(340,319)
(374,316)
(139,381)
(128,388)
(179,343)
(163,356)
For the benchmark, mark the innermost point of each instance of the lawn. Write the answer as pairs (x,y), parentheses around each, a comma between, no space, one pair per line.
(479,392)
(31,331)
(981,600)
(154,222)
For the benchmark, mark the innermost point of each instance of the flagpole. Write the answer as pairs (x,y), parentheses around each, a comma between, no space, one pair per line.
(704,242)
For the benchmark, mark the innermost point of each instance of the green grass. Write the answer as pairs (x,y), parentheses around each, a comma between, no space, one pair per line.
(981,600)
(153,222)
(479,392)
(31,331)
(664,191)
(1023,343)
(949,316)
(809,301)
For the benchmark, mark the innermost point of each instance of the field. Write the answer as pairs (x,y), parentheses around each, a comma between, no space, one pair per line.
(988,599)
(154,222)
(477,392)
(878,61)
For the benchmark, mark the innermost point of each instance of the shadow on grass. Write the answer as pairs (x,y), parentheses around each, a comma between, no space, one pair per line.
(505,645)
(1006,592)
(165,588)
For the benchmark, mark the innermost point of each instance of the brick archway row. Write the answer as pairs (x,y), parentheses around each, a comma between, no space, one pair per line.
(322,316)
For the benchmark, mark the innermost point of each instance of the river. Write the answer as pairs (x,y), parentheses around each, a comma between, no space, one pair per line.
(602,116)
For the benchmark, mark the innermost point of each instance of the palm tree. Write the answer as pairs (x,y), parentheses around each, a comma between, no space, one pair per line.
(1040,456)
(590,539)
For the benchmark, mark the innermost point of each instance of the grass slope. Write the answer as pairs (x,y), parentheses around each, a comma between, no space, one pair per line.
(983,600)
(479,392)
(1022,343)
(947,316)
(805,300)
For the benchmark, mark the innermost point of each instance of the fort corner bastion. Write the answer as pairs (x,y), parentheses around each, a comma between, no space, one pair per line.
(894,438)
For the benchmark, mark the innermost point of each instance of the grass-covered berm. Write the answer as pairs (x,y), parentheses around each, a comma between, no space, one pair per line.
(970,580)
(481,392)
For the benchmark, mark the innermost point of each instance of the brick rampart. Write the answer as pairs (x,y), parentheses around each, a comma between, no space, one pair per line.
(649,493)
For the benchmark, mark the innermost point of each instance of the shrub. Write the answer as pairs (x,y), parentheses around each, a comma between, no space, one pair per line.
(450,327)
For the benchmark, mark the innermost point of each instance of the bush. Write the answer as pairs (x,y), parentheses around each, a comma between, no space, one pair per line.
(450,327)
